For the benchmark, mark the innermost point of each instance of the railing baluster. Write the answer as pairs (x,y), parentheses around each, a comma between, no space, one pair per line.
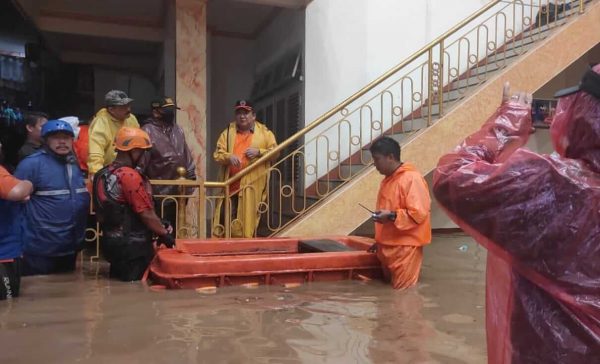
(429,85)
(227,217)
(201,212)
(441,76)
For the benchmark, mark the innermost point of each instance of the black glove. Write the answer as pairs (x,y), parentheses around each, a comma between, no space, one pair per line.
(372,248)
(166,224)
(167,240)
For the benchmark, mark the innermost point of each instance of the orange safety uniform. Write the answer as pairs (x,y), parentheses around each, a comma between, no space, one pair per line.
(243,141)
(400,243)
(7,182)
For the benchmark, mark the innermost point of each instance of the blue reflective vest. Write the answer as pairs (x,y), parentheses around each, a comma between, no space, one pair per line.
(54,219)
(10,234)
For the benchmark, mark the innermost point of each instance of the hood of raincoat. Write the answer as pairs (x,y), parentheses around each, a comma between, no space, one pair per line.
(575,129)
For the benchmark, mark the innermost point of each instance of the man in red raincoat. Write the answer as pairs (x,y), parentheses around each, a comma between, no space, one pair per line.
(538,217)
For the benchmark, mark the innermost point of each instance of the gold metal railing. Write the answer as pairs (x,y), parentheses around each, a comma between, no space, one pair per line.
(411,96)
(187,206)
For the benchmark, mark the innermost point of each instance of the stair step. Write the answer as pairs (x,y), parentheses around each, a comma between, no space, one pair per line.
(493,63)
(522,44)
(479,75)
(348,170)
(308,197)
(286,214)
(297,202)
(514,49)
(334,181)
(325,186)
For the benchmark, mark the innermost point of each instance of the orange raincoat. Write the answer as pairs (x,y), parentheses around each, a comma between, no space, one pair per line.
(400,244)
(81,146)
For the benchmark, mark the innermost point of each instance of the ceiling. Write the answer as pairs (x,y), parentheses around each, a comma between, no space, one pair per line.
(129,34)
(237,18)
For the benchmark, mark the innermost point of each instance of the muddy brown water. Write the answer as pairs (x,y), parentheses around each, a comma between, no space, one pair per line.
(86,318)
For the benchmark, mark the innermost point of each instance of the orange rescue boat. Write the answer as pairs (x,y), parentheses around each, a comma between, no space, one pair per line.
(283,261)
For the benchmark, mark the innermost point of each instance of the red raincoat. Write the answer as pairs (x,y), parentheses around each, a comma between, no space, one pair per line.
(539,217)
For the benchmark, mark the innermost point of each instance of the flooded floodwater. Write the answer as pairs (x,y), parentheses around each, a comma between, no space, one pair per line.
(86,318)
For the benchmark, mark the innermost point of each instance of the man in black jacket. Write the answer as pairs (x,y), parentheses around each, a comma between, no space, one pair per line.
(169,152)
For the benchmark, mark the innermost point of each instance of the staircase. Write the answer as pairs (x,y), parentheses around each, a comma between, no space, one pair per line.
(429,103)
(527,66)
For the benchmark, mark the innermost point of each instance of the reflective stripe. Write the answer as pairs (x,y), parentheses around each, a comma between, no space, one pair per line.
(53,193)
(69,174)
(60,192)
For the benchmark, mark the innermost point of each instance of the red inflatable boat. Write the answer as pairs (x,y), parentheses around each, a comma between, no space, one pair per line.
(283,261)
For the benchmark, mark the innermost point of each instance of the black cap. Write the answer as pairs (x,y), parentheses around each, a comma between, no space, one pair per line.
(243,104)
(164,102)
(590,83)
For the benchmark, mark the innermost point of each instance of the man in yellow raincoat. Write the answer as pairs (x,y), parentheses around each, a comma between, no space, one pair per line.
(105,126)
(243,142)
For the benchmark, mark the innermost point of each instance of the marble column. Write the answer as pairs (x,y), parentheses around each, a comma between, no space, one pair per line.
(168,57)
(190,76)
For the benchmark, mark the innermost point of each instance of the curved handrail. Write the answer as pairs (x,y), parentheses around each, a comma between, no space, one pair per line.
(289,141)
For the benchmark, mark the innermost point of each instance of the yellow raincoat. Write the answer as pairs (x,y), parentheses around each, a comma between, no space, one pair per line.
(253,186)
(102,133)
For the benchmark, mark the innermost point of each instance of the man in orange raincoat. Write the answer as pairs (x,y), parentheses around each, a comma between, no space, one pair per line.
(403,216)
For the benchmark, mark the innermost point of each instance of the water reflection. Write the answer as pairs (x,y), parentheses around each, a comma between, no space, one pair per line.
(86,318)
